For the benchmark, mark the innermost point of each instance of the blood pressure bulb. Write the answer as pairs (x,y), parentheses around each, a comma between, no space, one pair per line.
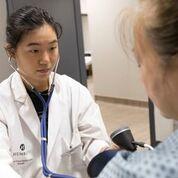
(124,138)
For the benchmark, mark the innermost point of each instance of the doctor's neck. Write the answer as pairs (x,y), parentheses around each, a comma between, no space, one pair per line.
(38,86)
(31,83)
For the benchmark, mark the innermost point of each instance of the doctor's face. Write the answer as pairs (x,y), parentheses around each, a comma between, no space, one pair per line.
(36,55)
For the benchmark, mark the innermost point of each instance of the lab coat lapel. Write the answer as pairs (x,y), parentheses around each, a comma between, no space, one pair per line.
(29,116)
(26,109)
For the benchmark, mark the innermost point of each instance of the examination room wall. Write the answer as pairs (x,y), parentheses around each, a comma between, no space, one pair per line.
(114,73)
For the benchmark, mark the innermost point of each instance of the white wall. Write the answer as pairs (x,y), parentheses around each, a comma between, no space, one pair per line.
(114,74)
(86,34)
(5,70)
(83,5)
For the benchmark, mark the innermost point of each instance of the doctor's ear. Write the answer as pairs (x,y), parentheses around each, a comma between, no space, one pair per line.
(10,51)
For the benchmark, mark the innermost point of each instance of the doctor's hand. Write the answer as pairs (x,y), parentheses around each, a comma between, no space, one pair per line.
(111,147)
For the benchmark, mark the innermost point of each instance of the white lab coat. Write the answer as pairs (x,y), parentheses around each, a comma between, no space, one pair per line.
(76,131)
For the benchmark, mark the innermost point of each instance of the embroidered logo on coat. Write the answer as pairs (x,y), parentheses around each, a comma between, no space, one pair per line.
(22,147)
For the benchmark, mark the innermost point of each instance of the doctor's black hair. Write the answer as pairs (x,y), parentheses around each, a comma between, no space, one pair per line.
(27,19)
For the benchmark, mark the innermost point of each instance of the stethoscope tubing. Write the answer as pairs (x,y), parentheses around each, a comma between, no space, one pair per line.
(45,104)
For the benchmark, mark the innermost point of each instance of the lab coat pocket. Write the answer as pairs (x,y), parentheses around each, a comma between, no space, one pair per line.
(77,150)
(74,161)
(71,161)
(74,155)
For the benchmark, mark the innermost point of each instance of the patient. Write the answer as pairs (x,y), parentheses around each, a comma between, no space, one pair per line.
(156,50)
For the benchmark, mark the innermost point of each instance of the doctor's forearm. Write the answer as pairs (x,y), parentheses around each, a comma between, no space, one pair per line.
(95,147)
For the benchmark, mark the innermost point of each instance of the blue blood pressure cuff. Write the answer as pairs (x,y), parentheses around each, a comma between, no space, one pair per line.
(99,162)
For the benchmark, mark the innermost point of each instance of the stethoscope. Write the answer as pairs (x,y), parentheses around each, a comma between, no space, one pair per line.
(43,128)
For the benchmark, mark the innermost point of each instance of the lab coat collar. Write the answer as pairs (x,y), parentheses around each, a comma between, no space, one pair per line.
(18,88)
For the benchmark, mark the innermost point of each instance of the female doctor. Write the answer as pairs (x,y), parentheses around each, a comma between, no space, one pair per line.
(75,130)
